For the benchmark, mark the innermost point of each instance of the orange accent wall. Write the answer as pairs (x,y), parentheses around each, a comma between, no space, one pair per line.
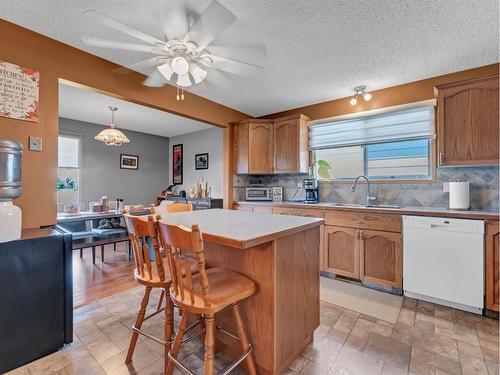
(56,61)
(396,95)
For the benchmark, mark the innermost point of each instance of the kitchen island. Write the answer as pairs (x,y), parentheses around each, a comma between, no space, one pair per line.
(281,254)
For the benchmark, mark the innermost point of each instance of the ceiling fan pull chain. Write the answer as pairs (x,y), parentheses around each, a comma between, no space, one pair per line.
(182,93)
(178,96)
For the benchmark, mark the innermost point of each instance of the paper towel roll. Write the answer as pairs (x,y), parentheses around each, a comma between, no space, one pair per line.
(459,196)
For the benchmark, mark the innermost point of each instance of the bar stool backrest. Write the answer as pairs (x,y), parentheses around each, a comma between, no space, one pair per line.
(178,241)
(171,208)
(140,229)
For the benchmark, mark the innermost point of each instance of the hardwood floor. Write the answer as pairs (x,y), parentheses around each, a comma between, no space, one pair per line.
(92,282)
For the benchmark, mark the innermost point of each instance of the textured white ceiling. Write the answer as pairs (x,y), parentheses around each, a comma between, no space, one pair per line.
(317,49)
(90,106)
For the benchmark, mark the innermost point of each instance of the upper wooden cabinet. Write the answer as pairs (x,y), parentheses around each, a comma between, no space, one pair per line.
(468,124)
(260,148)
(271,146)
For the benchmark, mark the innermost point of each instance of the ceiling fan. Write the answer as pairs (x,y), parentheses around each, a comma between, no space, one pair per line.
(183,61)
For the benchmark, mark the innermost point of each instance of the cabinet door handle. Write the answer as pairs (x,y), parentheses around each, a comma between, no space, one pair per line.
(361,235)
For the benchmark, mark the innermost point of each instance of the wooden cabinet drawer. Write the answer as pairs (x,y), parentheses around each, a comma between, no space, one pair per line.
(284,211)
(364,220)
(263,209)
(310,213)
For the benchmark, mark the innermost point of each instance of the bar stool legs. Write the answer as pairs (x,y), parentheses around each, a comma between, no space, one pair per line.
(209,344)
(174,351)
(168,328)
(160,301)
(138,325)
(245,344)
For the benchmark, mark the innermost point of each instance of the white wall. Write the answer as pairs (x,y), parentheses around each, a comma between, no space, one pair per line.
(210,141)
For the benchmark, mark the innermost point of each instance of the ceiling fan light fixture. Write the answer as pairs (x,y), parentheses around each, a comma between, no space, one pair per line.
(183,80)
(198,73)
(180,65)
(165,70)
(360,90)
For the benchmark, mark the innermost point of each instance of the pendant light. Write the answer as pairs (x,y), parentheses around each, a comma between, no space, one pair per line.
(112,136)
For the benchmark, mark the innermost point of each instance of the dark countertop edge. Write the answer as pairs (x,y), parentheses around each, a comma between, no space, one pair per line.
(475,214)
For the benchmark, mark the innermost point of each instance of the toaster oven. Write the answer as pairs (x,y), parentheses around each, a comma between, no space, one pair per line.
(259,194)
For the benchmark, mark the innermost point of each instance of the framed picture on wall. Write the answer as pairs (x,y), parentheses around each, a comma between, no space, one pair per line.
(177,164)
(201,161)
(129,162)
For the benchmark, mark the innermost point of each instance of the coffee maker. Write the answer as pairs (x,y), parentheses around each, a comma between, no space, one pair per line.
(312,192)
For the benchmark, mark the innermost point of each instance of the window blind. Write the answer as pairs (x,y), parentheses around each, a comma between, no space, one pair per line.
(68,152)
(416,122)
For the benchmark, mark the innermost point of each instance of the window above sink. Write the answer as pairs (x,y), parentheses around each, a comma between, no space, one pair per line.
(389,145)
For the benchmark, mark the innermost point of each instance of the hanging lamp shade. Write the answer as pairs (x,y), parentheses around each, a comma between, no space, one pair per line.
(112,136)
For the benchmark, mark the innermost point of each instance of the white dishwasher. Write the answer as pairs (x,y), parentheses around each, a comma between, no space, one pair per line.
(443,261)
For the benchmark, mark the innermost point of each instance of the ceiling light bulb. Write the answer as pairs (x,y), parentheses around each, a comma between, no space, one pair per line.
(198,73)
(180,65)
(367,96)
(354,100)
(183,80)
(165,70)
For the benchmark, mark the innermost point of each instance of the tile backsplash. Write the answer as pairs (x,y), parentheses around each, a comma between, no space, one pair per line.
(484,188)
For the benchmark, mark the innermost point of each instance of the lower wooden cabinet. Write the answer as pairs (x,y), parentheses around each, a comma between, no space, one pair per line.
(342,252)
(492,266)
(380,258)
(368,255)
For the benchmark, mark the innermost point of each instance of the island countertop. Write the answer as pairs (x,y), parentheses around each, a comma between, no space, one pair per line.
(242,230)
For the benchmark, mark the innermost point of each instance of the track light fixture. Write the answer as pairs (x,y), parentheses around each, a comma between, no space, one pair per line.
(360,90)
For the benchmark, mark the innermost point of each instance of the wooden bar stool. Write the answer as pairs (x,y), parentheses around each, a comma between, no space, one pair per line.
(206,293)
(151,274)
(165,209)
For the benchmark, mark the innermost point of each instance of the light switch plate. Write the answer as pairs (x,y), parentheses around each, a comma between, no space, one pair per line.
(446,187)
(35,144)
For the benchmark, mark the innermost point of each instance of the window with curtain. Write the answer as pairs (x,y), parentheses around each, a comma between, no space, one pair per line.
(69,169)
(389,145)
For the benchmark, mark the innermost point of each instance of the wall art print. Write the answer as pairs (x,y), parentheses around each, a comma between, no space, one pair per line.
(19,92)
(177,164)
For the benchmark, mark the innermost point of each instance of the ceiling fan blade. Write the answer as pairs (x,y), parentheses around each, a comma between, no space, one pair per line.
(176,19)
(114,44)
(155,79)
(141,65)
(235,66)
(256,54)
(114,24)
(214,20)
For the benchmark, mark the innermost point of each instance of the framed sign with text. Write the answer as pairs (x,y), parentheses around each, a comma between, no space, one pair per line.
(19,92)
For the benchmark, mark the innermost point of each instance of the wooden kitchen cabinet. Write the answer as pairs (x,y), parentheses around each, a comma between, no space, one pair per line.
(260,148)
(291,153)
(380,255)
(271,146)
(468,126)
(342,257)
(492,265)
(284,211)
(240,148)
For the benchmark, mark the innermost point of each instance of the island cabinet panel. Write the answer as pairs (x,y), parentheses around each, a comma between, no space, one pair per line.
(260,152)
(240,148)
(342,256)
(492,266)
(280,318)
(468,108)
(380,257)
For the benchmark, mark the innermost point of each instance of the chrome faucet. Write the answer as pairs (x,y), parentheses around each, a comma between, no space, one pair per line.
(369,197)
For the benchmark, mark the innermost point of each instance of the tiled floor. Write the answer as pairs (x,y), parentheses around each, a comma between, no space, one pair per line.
(427,339)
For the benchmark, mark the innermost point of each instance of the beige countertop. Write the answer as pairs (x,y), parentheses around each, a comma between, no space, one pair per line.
(411,210)
(242,229)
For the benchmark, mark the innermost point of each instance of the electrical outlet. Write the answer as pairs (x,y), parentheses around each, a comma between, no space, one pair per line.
(446,187)
(300,185)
